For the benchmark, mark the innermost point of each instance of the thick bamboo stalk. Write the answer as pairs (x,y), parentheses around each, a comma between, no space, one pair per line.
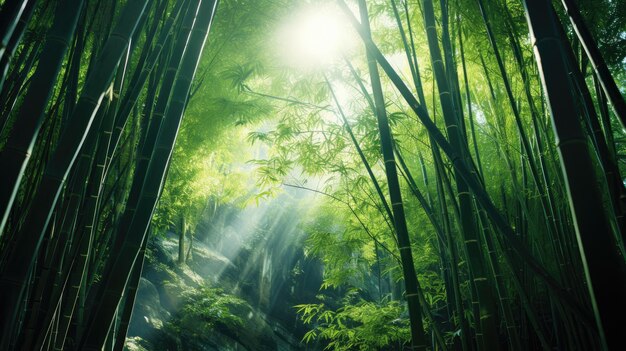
(603,266)
(116,275)
(19,263)
(616,189)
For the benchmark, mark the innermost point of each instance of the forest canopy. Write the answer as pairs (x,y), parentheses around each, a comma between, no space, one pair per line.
(347,175)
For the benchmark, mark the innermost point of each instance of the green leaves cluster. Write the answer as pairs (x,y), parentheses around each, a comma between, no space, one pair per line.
(206,309)
(358,325)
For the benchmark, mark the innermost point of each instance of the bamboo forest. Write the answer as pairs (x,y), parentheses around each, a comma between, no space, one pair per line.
(309,175)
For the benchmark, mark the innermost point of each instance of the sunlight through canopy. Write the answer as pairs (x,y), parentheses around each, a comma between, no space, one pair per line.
(314,36)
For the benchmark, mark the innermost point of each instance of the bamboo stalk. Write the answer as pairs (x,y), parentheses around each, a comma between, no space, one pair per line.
(604,268)
(18,265)
(418,339)
(116,275)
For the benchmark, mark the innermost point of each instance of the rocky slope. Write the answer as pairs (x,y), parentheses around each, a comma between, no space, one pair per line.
(212,302)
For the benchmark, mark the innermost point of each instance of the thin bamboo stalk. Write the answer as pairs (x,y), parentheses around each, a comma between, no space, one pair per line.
(418,339)
(454,127)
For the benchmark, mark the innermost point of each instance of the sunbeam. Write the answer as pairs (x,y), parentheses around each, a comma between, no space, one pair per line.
(314,37)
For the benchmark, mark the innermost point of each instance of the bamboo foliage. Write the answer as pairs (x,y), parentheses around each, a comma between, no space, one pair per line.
(519,212)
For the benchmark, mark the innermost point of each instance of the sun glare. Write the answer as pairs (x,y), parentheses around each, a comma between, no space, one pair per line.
(314,37)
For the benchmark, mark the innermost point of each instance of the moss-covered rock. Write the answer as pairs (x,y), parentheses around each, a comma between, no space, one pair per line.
(149,315)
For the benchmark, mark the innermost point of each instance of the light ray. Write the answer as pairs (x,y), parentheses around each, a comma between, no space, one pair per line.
(314,37)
